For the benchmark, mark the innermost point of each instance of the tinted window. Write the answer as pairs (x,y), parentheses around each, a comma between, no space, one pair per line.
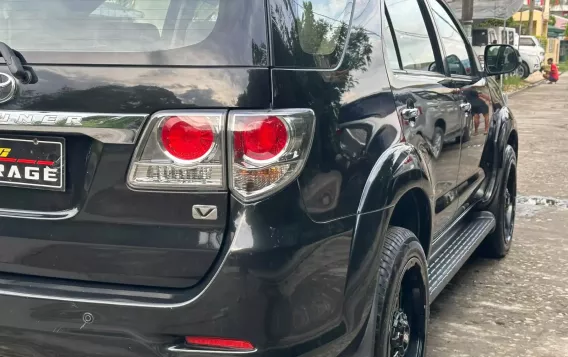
(114,27)
(414,44)
(310,33)
(457,55)
(479,37)
(511,38)
(108,26)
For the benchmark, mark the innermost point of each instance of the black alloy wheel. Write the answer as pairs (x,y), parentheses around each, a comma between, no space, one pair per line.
(402,302)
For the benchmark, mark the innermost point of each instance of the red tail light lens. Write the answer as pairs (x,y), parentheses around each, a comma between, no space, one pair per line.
(220,343)
(181,150)
(185,150)
(187,138)
(267,149)
(261,138)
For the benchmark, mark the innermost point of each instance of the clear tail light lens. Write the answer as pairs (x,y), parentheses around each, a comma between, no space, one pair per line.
(267,150)
(180,150)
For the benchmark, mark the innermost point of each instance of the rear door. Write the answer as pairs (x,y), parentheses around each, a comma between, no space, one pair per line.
(66,142)
(424,98)
(472,96)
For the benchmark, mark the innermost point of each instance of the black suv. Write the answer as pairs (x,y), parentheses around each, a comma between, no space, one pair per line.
(263,177)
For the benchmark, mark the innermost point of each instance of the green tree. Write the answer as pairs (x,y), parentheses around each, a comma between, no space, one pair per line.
(497,23)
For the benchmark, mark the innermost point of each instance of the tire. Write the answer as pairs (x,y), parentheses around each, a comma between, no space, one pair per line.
(523,70)
(437,142)
(498,243)
(468,129)
(402,297)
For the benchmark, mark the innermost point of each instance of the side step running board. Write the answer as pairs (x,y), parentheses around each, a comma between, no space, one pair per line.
(466,238)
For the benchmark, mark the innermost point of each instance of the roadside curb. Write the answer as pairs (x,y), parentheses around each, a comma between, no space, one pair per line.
(525,88)
(530,86)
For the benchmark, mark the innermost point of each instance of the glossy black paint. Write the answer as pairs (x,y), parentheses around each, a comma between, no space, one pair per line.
(294,274)
(113,228)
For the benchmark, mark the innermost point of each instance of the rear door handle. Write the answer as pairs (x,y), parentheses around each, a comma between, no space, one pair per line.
(466,107)
(410,113)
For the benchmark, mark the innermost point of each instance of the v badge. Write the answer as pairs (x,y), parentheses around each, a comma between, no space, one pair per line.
(207,212)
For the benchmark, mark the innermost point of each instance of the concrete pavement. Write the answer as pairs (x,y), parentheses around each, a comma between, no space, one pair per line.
(518,306)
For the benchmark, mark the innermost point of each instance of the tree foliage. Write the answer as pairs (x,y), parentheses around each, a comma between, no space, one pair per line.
(497,23)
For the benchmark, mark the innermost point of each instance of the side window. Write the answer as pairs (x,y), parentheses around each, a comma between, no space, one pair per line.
(457,55)
(411,35)
(526,42)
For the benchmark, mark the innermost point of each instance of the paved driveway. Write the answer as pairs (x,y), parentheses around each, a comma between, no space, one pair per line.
(518,306)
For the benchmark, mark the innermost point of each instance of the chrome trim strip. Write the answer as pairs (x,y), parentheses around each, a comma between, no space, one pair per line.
(41,215)
(189,350)
(104,127)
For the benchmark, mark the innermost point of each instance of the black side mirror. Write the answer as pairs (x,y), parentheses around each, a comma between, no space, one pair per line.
(500,59)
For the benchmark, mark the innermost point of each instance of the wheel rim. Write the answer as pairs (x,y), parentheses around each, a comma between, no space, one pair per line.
(408,321)
(509,207)
(521,71)
(437,144)
(400,336)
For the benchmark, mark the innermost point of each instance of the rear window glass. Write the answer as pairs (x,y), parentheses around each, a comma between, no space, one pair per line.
(131,27)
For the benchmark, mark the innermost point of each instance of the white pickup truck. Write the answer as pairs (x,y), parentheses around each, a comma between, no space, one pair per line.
(530,44)
(531,59)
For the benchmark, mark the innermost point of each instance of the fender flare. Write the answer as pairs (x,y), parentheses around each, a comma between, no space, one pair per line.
(400,168)
(494,152)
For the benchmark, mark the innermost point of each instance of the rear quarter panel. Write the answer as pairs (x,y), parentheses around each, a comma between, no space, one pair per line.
(354,107)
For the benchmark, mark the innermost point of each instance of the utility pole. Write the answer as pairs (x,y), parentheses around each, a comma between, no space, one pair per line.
(531,13)
(467,17)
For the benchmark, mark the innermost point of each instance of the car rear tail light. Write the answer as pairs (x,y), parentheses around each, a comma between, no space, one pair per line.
(187,138)
(185,150)
(267,150)
(180,150)
(223,343)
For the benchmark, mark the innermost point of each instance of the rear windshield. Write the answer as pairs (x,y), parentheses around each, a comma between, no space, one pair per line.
(151,32)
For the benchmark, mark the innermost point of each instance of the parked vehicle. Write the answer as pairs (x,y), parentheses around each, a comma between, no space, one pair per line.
(531,44)
(236,177)
(530,60)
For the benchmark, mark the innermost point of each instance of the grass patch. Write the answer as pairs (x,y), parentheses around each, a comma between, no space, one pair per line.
(563,66)
(513,83)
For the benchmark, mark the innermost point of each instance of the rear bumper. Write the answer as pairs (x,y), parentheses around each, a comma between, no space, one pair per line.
(281,282)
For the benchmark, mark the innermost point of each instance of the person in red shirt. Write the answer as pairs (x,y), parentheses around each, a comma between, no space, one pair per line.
(551,73)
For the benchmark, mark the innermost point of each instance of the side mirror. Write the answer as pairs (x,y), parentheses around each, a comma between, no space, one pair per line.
(500,59)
